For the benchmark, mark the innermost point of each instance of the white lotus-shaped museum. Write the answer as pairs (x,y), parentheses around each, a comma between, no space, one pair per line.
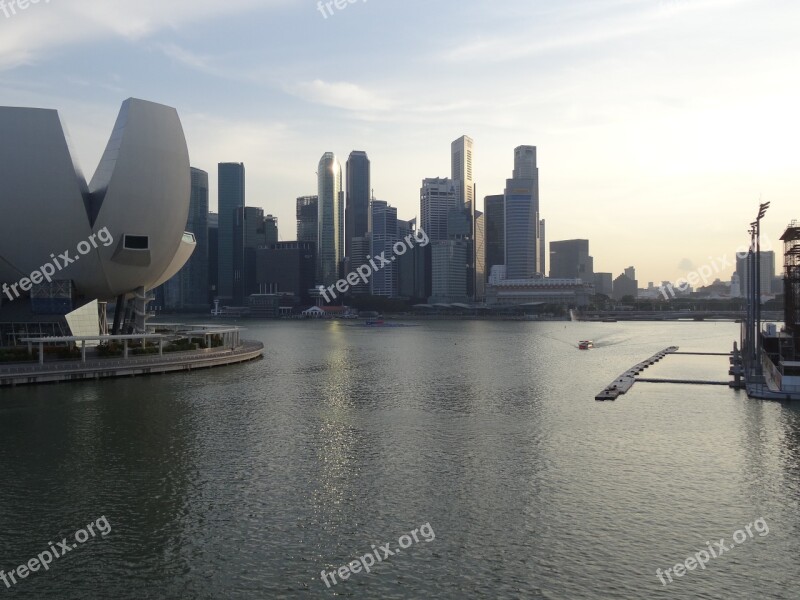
(139,195)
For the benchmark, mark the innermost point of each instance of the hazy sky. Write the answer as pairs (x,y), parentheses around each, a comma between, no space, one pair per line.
(659,123)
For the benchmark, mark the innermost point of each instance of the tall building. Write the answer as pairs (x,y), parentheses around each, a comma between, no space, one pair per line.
(194,276)
(569,259)
(287,268)
(271,229)
(230,197)
(448,275)
(495,227)
(358,197)
(361,248)
(213,256)
(767,274)
(625,286)
(383,232)
(330,220)
(461,171)
(249,234)
(480,256)
(630,273)
(604,284)
(522,216)
(437,198)
(307,218)
(542,248)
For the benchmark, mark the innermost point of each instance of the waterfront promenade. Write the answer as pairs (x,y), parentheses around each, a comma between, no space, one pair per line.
(13,374)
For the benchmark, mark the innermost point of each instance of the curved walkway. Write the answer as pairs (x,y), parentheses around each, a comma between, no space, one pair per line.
(15,374)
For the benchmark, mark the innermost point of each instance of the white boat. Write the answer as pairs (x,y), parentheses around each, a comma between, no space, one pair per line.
(585,344)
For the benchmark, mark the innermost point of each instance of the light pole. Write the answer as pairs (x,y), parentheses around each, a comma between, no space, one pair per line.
(762,210)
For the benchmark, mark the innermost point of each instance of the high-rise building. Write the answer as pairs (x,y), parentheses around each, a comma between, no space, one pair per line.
(542,248)
(604,284)
(522,216)
(330,220)
(630,273)
(194,275)
(437,198)
(625,286)
(358,197)
(361,248)
(480,256)
(383,232)
(230,198)
(213,256)
(767,274)
(495,227)
(271,229)
(461,171)
(569,259)
(307,217)
(449,277)
(249,233)
(287,268)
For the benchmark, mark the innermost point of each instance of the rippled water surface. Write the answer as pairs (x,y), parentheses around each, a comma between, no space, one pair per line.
(248,481)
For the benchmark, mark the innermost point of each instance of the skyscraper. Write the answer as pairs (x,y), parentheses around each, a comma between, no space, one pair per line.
(522,216)
(495,228)
(461,171)
(383,232)
(271,230)
(358,197)
(569,259)
(330,224)
(230,197)
(307,216)
(194,276)
(249,233)
(542,247)
(480,256)
(437,198)
(213,256)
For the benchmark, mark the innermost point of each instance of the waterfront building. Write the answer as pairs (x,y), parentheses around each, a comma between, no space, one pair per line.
(271,229)
(358,197)
(542,247)
(624,286)
(230,197)
(767,275)
(286,268)
(461,171)
(569,259)
(604,284)
(448,275)
(522,222)
(330,220)
(249,234)
(437,198)
(383,234)
(524,293)
(136,219)
(480,256)
(307,219)
(361,247)
(213,254)
(495,227)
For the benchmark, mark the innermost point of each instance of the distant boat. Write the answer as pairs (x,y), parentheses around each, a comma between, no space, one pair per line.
(585,344)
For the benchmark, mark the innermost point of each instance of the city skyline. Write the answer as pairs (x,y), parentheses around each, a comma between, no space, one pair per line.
(613,151)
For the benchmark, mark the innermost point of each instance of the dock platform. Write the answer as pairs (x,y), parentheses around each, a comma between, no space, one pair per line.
(625,382)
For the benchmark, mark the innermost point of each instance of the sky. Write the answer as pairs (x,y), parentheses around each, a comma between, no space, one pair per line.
(660,124)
